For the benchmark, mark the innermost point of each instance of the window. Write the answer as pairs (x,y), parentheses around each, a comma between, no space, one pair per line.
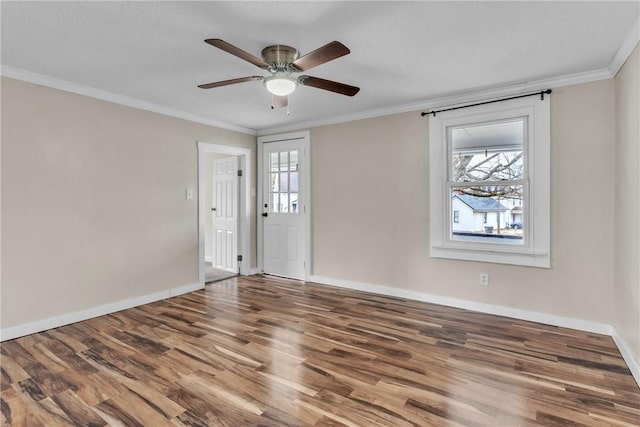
(486,172)
(283,184)
(489,189)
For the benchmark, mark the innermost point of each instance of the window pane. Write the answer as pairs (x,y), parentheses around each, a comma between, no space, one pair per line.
(293,160)
(283,184)
(274,206)
(284,161)
(284,181)
(293,182)
(273,162)
(284,202)
(487,152)
(488,214)
(293,202)
(273,184)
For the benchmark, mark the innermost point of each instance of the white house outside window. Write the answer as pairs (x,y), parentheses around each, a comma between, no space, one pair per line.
(489,190)
(486,177)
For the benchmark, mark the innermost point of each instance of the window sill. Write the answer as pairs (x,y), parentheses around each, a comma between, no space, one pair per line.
(494,255)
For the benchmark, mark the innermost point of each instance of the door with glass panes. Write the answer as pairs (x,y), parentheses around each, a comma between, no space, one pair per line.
(282,211)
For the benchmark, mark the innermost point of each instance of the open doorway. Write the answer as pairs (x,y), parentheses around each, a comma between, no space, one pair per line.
(223,211)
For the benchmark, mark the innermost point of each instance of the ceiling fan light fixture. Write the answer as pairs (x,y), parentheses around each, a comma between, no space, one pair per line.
(281,61)
(281,85)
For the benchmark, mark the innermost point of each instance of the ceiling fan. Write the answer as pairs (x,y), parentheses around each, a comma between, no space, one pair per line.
(282,62)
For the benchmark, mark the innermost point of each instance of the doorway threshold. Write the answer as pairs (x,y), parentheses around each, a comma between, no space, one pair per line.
(212,274)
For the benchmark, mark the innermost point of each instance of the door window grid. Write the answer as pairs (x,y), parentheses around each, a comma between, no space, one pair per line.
(283,182)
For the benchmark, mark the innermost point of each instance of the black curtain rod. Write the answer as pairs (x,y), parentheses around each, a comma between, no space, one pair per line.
(541,93)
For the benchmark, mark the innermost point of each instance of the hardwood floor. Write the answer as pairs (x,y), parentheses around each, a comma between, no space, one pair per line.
(263,351)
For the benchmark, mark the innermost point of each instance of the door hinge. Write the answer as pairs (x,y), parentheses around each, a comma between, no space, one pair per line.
(239,257)
(239,172)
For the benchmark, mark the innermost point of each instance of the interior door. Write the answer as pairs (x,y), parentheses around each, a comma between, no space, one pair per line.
(283,213)
(225,214)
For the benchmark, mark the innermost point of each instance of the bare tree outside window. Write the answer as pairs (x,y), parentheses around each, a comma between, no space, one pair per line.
(487,173)
(500,166)
(489,192)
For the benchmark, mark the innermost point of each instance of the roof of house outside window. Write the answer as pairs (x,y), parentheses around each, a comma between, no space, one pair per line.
(481,204)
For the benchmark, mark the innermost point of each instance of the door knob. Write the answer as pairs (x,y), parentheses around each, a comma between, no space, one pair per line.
(265,214)
(213,209)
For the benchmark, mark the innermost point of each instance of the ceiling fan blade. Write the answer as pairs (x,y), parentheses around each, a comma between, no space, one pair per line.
(323,54)
(229,82)
(236,51)
(279,101)
(330,85)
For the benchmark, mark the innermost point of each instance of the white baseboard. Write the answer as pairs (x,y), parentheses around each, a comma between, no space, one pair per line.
(254,271)
(532,316)
(65,319)
(208,259)
(566,322)
(174,292)
(627,355)
(516,313)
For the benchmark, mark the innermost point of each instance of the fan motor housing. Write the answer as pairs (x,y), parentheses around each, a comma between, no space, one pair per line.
(279,54)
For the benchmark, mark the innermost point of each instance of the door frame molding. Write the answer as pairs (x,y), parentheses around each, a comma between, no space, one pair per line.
(244,211)
(305,138)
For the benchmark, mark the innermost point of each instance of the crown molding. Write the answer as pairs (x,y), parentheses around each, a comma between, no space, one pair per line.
(626,48)
(451,100)
(40,79)
(623,52)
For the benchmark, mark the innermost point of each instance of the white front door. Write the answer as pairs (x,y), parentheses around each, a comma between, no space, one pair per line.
(225,214)
(283,210)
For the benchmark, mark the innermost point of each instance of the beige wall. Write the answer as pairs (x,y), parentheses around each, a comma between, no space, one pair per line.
(627,206)
(370,211)
(93,201)
(93,207)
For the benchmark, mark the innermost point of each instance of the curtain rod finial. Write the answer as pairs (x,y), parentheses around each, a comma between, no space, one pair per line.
(542,92)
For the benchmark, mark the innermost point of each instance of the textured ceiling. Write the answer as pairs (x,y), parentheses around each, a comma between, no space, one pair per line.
(401,52)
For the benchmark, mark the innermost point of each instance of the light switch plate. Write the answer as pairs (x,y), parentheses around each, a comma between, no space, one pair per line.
(188,193)
(484,279)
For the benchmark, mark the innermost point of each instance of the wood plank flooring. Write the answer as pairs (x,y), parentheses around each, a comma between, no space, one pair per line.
(261,351)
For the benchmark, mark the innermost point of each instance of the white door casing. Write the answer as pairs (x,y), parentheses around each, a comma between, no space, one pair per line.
(225,214)
(244,211)
(284,205)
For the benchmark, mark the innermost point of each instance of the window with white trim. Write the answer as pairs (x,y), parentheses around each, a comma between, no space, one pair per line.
(489,183)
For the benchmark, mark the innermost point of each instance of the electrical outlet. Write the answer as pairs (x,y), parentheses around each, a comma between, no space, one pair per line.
(484,279)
